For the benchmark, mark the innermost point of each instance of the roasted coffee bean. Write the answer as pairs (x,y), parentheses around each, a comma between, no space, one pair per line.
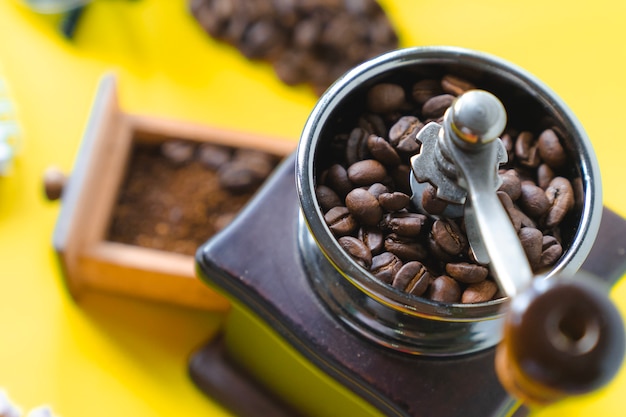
(454,85)
(327,198)
(357,146)
(385,98)
(366,172)
(551,251)
(511,184)
(213,156)
(405,248)
(412,278)
(533,200)
(340,221)
(373,238)
(408,145)
(526,151)
(401,178)
(444,290)
(395,201)
(551,150)
(377,189)
(373,124)
(431,203)
(364,207)
(560,196)
(531,240)
(511,210)
(337,179)
(545,174)
(509,146)
(436,106)
(448,236)
(385,266)
(244,174)
(404,223)
(178,152)
(54,180)
(426,89)
(357,250)
(405,127)
(382,151)
(480,292)
(467,273)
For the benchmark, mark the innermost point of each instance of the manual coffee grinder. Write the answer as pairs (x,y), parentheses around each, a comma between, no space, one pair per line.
(313,332)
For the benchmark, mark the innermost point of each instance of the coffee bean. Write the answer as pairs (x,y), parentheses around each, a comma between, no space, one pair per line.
(405,128)
(412,278)
(357,250)
(385,266)
(385,98)
(405,248)
(425,89)
(560,196)
(448,236)
(357,146)
(467,273)
(382,151)
(509,146)
(54,182)
(373,124)
(337,179)
(178,152)
(531,240)
(480,292)
(243,175)
(378,189)
(454,85)
(551,150)
(436,106)
(401,176)
(444,290)
(545,174)
(404,223)
(213,156)
(366,172)
(327,198)
(431,203)
(373,238)
(395,201)
(533,200)
(526,151)
(551,251)
(512,211)
(364,207)
(511,184)
(340,221)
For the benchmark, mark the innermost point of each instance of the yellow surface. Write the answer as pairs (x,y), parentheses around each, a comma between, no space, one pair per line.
(111,356)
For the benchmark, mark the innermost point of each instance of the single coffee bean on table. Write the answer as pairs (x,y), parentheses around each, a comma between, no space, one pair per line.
(363,189)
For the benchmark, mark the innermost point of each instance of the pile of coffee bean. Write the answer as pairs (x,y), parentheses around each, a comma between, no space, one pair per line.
(179,193)
(364,192)
(307,41)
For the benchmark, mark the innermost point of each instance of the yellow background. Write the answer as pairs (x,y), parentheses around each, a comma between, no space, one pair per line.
(111,356)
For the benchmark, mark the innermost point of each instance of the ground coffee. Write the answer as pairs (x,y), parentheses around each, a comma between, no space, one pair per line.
(178,194)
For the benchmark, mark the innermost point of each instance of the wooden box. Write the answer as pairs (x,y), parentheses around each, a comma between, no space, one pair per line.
(89,261)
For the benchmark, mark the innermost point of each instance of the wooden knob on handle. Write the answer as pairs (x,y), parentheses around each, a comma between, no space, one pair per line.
(561,338)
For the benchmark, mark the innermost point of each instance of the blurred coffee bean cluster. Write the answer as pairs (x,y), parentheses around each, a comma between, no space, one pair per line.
(307,41)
